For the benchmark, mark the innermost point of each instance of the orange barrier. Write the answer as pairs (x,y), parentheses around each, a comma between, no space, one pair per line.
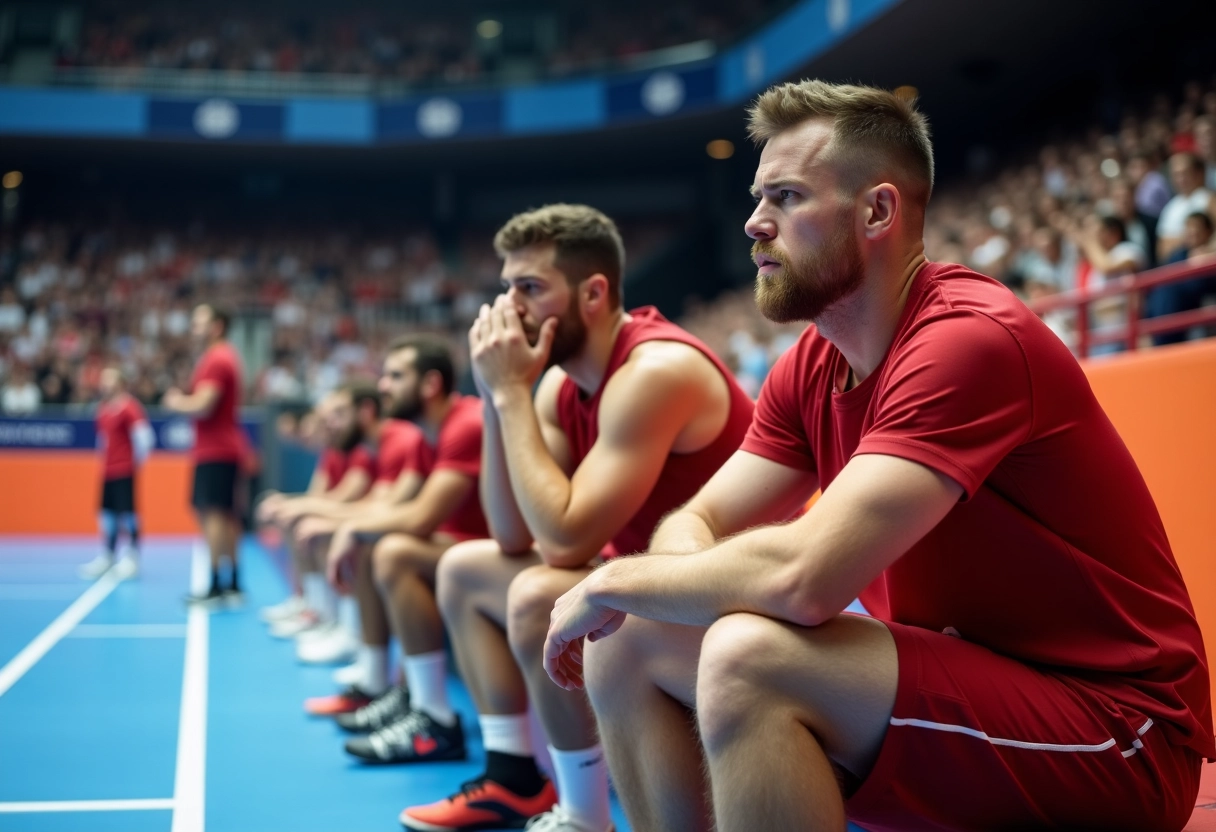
(1163,403)
(57,492)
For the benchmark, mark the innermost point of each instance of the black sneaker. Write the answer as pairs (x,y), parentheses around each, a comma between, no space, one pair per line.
(213,598)
(381,712)
(413,738)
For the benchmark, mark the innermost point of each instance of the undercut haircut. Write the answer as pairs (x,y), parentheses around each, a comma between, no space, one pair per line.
(219,313)
(586,242)
(875,133)
(363,392)
(430,355)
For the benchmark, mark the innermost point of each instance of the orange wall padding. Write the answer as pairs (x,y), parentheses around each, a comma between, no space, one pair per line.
(1163,402)
(58,492)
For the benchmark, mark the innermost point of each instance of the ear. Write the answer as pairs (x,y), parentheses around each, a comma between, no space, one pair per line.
(432,385)
(595,292)
(881,208)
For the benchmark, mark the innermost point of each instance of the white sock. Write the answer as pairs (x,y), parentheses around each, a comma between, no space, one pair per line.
(506,734)
(582,785)
(348,615)
(426,676)
(316,595)
(373,663)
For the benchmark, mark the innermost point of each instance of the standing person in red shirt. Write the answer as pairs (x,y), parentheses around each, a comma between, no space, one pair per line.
(1033,660)
(125,439)
(631,417)
(219,447)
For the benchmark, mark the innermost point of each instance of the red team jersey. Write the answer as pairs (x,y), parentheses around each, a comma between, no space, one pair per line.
(458,448)
(218,437)
(1055,556)
(402,447)
(115,420)
(683,474)
(335,464)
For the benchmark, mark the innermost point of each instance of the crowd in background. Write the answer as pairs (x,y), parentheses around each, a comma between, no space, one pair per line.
(1079,213)
(375,40)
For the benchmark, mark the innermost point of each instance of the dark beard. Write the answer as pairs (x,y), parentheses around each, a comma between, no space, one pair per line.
(408,408)
(803,289)
(570,338)
(350,440)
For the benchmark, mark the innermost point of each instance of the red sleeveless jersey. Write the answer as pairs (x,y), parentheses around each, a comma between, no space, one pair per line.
(683,474)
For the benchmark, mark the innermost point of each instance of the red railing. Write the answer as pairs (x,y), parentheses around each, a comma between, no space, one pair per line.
(1134,286)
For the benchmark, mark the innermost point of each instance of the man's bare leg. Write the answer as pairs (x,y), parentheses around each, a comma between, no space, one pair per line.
(372,618)
(778,706)
(404,568)
(642,684)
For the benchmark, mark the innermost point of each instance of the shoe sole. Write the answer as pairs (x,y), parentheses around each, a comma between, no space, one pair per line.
(423,826)
(447,756)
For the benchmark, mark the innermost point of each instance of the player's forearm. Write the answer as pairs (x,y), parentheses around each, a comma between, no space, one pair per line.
(746,573)
(542,490)
(406,519)
(507,525)
(683,532)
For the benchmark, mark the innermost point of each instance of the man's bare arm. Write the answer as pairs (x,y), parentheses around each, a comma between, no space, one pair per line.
(440,496)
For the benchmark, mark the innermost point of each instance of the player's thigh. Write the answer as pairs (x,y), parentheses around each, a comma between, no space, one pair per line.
(475,575)
(977,740)
(395,554)
(643,655)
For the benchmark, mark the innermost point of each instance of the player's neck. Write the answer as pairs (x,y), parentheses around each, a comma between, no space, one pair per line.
(862,325)
(587,368)
(437,410)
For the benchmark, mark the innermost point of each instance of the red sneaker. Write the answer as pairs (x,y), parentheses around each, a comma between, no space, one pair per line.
(348,701)
(480,804)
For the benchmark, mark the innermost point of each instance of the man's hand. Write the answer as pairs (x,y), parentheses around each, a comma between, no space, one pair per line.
(172,400)
(314,527)
(502,356)
(268,509)
(341,549)
(575,616)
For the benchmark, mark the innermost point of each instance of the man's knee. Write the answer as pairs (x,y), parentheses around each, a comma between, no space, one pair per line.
(530,600)
(459,569)
(394,555)
(615,665)
(737,658)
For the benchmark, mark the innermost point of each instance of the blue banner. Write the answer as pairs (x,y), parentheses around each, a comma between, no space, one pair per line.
(173,434)
(215,119)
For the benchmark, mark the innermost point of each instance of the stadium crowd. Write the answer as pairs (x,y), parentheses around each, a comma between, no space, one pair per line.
(376,41)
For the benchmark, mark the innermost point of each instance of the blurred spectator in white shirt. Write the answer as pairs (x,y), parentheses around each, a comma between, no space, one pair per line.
(1186,172)
(20,395)
(1205,149)
(12,313)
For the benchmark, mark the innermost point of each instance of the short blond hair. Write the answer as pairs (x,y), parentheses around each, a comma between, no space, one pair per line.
(874,131)
(586,242)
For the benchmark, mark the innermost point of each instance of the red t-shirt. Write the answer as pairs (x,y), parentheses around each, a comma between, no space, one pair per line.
(1056,555)
(458,448)
(683,474)
(218,437)
(402,448)
(335,464)
(115,420)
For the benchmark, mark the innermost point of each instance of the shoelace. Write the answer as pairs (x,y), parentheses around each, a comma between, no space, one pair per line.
(470,788)
(399,732)
(556,819)
(382,707)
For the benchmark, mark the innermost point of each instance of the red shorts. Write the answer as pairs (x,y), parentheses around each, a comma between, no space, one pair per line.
(980,741)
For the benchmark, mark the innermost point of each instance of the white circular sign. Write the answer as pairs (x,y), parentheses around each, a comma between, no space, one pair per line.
(177,435)
(216,118)
(663,93)
(439,118)
(838,14)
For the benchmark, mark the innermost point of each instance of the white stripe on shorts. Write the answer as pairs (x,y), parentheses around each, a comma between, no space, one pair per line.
(1029,746)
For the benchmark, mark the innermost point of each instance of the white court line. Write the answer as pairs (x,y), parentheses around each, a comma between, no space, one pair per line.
(57,629)
(129,631)
(87,805)
(190,779)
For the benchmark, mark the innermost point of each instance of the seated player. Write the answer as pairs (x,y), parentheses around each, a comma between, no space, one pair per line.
(1033,661)
(344,473)
(361,631)
(631,418)
(409,539)
(125,439)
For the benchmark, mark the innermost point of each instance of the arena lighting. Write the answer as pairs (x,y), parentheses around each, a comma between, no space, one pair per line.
(1110,168)
(12,179)
(906,92)
(489,29)
(720,149)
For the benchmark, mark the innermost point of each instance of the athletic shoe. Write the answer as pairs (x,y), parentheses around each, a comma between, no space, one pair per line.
(95,568)
(292,627)
(324,629)
(480,804)
(382,711)
(289,608)
(348,675)
(338,647)
(234,599)
(211,600)
(559,820)
(126,568)
(413,738)
(351,699)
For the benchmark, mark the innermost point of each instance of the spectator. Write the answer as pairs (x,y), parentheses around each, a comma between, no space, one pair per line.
(1141,228)
(1152,188)
(1109,254)
(12,313)
(1186,172)
(20,395)
(1197,241)
(1205,148)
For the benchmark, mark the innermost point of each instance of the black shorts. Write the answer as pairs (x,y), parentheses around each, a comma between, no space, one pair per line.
(118,495)
(218,486)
